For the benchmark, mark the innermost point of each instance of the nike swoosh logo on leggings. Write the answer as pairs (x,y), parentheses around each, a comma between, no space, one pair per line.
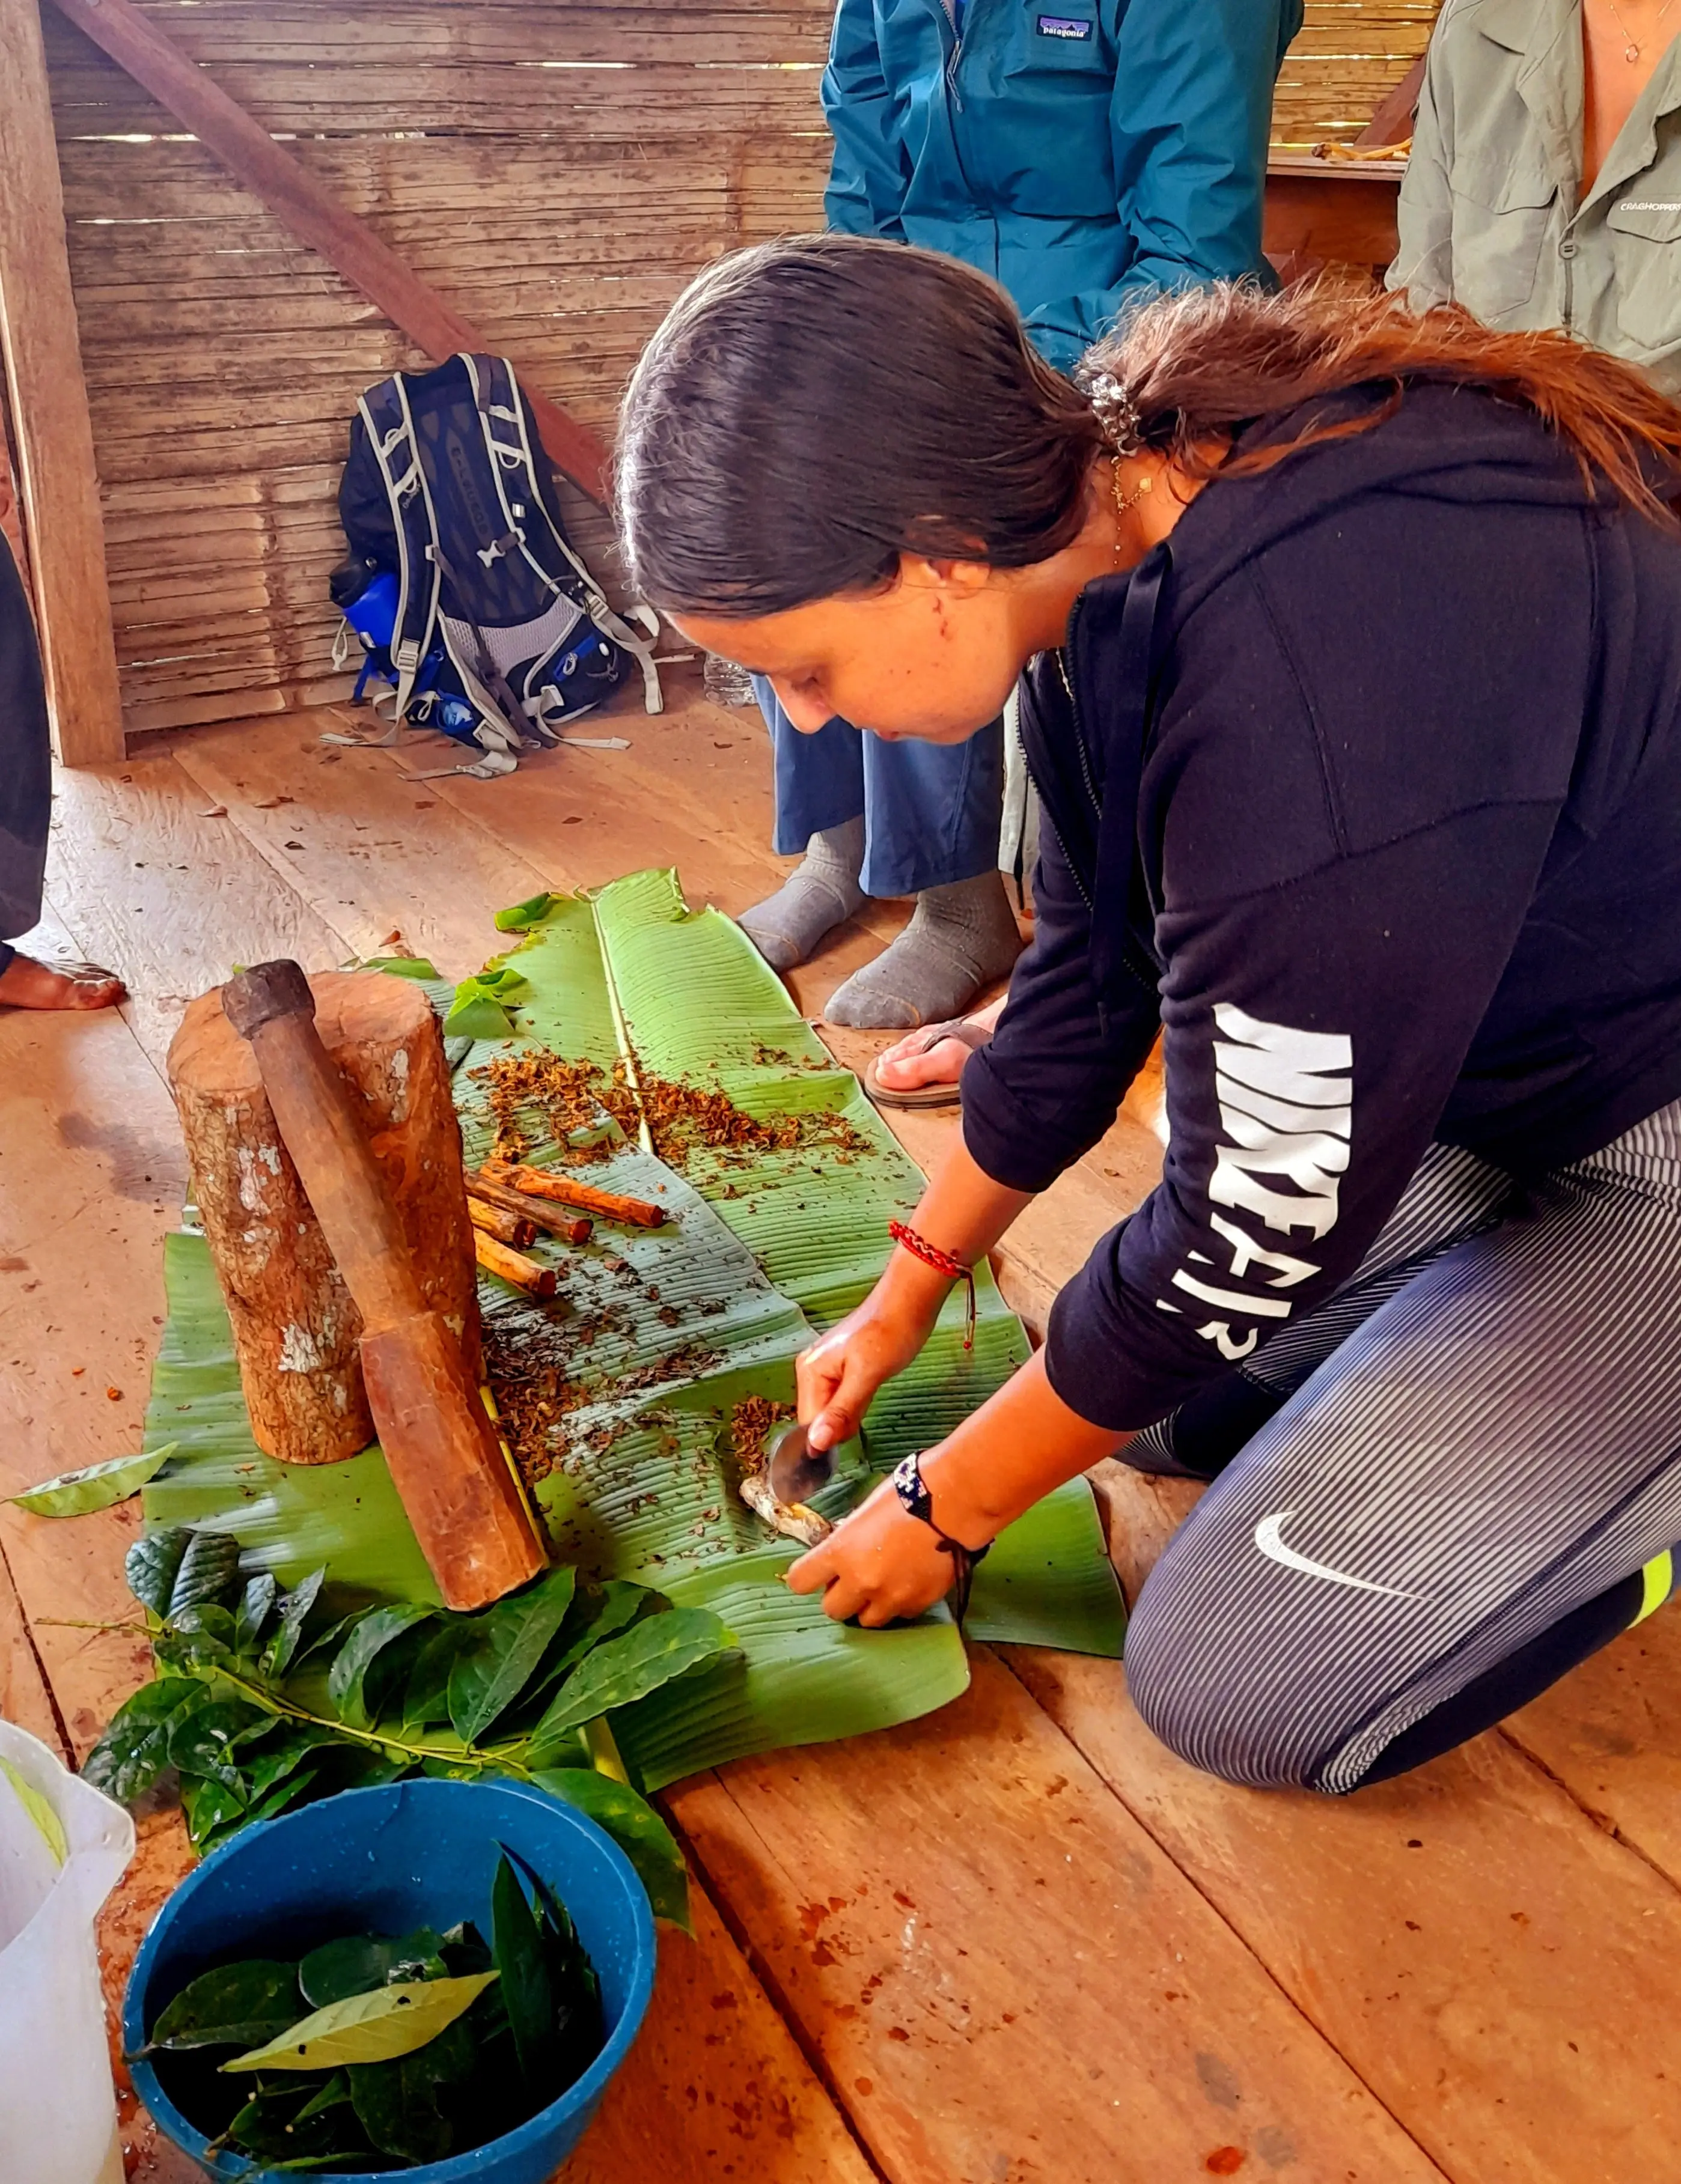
(1268,1540)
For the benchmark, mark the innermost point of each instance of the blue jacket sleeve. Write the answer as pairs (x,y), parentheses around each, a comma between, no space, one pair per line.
(1189,121)
(869,173)
(1048,1084)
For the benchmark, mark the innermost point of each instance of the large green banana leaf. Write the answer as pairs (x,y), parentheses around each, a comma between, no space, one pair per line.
(633,971)
(665,1331)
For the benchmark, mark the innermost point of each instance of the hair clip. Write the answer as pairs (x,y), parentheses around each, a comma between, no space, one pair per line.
(1117,412)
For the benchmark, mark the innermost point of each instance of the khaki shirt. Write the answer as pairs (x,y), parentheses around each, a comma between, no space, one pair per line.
(1491,211)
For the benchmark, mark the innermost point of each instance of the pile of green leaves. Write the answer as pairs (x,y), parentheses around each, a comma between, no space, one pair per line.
(374,2053)
(266,1700)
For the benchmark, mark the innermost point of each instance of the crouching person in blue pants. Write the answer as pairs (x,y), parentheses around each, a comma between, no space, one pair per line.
(1086,153)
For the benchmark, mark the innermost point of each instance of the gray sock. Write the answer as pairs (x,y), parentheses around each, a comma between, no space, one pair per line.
(821,893)
(960,938)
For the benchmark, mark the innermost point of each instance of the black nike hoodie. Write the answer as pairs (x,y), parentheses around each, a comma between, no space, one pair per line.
(1366,788)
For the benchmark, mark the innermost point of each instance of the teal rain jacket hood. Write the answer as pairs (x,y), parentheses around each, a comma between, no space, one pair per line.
(1084,152)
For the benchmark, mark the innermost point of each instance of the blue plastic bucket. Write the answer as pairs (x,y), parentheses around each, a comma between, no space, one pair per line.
(419,1853)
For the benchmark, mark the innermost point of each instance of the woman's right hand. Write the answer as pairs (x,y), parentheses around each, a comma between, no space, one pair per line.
(838,1375)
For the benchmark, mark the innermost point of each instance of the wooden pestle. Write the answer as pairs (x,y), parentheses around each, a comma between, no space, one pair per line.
(468,1513)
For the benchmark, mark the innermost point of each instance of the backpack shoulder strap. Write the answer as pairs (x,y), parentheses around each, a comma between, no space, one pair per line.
(508,434)
(384,410)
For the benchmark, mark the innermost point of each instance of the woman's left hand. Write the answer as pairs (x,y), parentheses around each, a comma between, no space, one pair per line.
(1024,1441)
(879,1564)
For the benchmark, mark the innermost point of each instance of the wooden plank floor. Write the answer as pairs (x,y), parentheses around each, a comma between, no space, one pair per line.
(1016,1943)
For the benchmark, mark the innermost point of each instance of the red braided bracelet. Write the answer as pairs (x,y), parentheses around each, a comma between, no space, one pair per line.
(942,1263)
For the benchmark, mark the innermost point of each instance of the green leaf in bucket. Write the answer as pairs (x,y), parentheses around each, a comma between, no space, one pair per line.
(397,2103)
(498,1658)
(357,1963)
(572,1980)
(333,2094)
(629,1667)
(368,2028)
(39,1807)
(635,1827)
(527,1994)
(232,2006)
(95,1486)
(283,2135)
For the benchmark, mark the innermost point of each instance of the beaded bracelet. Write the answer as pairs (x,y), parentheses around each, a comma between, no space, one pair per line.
(912,1489)
(942,1263)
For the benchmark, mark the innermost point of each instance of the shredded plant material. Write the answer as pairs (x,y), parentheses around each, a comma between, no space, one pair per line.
(534,1392)
(684,1117)
(533,1093)
(750,1423)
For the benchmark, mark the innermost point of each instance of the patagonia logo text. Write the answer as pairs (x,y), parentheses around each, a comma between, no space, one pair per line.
(1064,27)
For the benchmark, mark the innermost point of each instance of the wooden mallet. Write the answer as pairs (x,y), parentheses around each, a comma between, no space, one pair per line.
(446,1463)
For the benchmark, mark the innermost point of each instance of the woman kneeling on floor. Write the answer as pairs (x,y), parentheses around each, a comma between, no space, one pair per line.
(1352,645)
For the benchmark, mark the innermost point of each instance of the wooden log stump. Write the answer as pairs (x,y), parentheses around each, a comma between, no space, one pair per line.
(295,1328)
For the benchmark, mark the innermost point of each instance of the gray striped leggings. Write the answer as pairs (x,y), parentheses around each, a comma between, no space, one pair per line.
(1468,1476)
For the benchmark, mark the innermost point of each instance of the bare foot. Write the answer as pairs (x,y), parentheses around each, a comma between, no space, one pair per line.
(912,1063)
(26,984)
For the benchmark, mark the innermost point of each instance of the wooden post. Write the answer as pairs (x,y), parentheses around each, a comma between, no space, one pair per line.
(311,213)
(295,1328)
(57,477)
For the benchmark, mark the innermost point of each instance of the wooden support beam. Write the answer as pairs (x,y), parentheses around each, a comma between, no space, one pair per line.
(311,213)
(56,475)
(1392,124)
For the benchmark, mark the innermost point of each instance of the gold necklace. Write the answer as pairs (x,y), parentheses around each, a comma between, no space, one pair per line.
(1124,503)
(1634,49)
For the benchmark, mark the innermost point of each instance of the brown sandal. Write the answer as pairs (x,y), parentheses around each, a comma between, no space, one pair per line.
(928,1096)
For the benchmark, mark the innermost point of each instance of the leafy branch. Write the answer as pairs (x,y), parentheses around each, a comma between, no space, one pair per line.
(264,1701)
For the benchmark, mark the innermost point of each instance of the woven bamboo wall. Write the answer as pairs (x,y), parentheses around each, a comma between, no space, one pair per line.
(1346,54)
(556,170)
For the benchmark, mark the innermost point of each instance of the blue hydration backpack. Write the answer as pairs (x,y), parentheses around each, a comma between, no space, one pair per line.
(460,586)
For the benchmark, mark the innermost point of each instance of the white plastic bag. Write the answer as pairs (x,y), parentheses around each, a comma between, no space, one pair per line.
(63,1848)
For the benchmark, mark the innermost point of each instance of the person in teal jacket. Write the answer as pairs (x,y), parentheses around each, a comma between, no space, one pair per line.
(1084,153)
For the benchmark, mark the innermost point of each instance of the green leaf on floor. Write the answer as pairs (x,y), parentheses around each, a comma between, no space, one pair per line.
(520,917)
(95,1486)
